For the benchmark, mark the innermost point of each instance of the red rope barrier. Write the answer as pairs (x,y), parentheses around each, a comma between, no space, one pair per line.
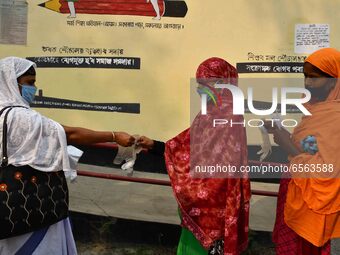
(123,178)
(163,182)
(264,163)
(153,181)
(105,145)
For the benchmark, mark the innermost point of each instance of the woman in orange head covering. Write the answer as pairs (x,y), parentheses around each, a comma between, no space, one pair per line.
(308,214)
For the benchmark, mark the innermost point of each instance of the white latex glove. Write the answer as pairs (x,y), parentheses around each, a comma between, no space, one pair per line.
(129,155)
(74,155)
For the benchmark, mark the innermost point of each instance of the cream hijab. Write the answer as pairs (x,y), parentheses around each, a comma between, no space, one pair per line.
(33,139)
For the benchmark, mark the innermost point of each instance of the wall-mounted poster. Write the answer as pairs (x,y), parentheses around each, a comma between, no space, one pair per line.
(311,37)
(13,22)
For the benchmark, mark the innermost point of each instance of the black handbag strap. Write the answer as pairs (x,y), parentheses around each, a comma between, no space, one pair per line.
(4,162)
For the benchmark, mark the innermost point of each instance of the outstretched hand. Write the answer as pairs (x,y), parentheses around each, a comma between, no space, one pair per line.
(280,135)
(124,139)
(282,138)
(145,142)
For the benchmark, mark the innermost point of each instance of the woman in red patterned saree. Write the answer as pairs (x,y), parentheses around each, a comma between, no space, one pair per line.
(214,211)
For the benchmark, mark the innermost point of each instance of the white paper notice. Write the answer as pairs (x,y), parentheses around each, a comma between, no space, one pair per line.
(311,37)
(13,22)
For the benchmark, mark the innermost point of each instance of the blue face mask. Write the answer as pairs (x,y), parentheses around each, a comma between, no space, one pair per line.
(28,92)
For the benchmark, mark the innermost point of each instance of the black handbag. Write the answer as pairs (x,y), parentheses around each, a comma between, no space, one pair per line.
(29,199)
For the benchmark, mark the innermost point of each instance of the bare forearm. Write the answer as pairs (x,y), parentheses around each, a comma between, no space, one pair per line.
(290,148)
(83,136)
(283,138)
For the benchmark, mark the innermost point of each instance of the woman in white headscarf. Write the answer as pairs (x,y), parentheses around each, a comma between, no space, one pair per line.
(41,143)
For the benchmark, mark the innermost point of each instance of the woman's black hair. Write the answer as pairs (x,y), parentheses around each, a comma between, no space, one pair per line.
(30,71)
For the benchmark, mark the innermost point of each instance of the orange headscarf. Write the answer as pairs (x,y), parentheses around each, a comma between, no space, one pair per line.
(313,204)
(328,61)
